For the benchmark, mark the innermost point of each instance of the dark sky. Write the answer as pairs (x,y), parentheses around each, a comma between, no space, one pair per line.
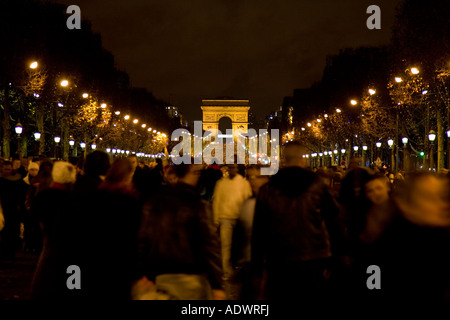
(191,50)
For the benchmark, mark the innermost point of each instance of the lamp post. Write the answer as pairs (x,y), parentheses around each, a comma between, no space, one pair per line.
(57,140)
(431,137)
(37,137)
(390,144)
(19,130)
(405,154)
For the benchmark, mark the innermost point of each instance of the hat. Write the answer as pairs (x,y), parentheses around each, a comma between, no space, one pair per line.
(33,165)
(63,172)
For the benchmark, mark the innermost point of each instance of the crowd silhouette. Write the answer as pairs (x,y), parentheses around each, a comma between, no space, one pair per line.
(159,231)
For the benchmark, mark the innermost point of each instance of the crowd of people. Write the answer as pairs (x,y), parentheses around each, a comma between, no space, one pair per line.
(161,231)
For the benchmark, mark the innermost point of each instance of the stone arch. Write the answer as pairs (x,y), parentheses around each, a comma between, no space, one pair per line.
(216,109)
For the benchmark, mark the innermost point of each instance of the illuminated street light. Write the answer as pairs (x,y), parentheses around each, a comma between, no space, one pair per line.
(117,113)
(325,115)
(18,129)
(378,144)
(424,91)
(303,129)
(390,142)
(37,136)
(34,65)
(93,146)
(126,117)
(355,148)
(342,150)
(353,102)
(71,142)
(338,110)
(85,95)
(405,140)
(398,79)
(154,131)
(143,125)
(103,105)
(135,121)
(372,92)
(64,83)
(318,120)
(82,145)
(308,124)
(335,151)
(108,149)
(432,136)
(448,133)
(57,139)
(364,148)
(114,150)
(414,70)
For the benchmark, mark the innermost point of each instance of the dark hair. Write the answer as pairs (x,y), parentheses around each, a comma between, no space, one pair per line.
(97,163)
(118,172)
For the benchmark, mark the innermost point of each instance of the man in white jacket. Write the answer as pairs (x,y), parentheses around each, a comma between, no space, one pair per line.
(229,194)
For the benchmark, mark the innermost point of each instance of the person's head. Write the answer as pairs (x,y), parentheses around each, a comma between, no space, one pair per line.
(33,169)
(97,164)
(189,173)
(233,170)
(7,169)
(141,164)
(255,178)
(120,173)
(170,175)
(377,189)
(16,163)
(133,160)
(293,155)
(63,172)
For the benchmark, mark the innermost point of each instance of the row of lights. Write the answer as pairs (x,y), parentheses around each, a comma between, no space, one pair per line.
(65,83)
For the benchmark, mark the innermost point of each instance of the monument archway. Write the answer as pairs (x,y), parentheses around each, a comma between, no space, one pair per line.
(216,109)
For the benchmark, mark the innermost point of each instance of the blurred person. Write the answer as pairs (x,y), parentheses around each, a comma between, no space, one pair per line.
(109,235)
(12,204)
(178,248)
(413,250)
(18,168)
(96,165)
(28,223)
(242,235)
(55,211)
(230,192)
(290,244)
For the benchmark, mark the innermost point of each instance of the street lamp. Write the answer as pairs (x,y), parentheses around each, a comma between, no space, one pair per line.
(338,110)
(19,130)
(85,95)
(432,137)
(82,145)
(353,102)
(398,79)
(34,65)
(405,140)
(71,142)
(378,144)
(372,92)
(390,142)
(64,83)
(103,105)
(364,148)
(57,140)
(37,136)
(93,146)
(414,70)
(126,117)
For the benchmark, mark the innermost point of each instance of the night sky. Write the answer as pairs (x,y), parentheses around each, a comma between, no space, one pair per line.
(189,50)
